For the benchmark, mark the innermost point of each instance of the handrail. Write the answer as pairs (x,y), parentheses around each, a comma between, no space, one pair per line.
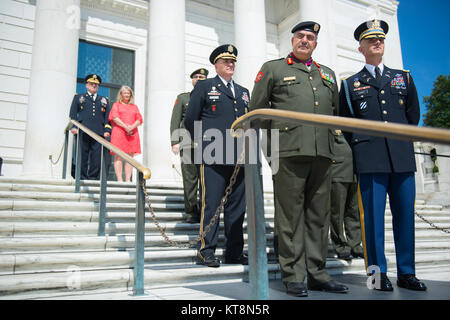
(369,127)
(143,174)
(257,255)
(145,171)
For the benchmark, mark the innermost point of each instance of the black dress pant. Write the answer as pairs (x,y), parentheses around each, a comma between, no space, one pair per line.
(91,155)
(213,181)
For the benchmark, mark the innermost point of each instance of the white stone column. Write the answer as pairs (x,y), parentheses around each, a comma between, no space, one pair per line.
(52,84)
(166,79)
(250,40)
(317,11)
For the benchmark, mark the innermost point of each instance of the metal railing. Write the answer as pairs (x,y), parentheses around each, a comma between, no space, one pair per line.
(257,255)
(257,267)
(143,173)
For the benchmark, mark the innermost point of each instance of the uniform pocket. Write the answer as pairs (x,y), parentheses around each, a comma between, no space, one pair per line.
(291,88)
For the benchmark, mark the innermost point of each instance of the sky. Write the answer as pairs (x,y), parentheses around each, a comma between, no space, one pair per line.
(424,27)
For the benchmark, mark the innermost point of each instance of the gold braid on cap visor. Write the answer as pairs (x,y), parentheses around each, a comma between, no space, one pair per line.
(226,55)
(372,33)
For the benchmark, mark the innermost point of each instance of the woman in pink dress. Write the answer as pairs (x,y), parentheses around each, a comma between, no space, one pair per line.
(125,118)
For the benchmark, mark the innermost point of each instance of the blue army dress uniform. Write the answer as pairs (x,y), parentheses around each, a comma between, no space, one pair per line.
(214,104)
(94,115)
(385,166)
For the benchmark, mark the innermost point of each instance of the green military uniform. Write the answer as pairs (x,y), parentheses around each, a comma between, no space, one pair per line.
(188,170)
(344,201)
(302,183)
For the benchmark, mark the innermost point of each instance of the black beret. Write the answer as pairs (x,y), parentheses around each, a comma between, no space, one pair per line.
(371,29)
(225,51)
(93,78)
(308,26)
(202,71)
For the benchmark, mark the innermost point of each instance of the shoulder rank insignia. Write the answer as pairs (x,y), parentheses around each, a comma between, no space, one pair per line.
(289,61)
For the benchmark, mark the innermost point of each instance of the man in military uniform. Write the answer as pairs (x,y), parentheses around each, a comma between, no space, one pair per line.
(303,181)
(91,110)
(385,166)
(214,105)
(344,202)
(188,170)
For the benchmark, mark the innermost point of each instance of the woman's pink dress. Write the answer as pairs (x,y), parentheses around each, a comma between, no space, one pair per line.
(128,113)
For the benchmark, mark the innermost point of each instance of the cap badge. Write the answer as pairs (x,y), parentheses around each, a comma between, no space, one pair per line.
(316,27)
(375,24)
(230,48)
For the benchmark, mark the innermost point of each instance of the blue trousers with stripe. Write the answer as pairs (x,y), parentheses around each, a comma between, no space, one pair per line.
(373,188)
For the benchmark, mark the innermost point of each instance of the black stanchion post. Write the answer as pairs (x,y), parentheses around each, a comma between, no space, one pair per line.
(257,255)
(103,185)
(139,241)
(66,145)
(78,161)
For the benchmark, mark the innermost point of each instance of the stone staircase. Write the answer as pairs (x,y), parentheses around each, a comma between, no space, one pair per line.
(49,243)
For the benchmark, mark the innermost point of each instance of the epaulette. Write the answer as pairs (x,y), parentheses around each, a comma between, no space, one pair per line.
(407,74)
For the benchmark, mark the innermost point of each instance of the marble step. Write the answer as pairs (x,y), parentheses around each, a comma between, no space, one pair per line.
(37,228)
(81,206)
(129,216)
(84,189)
(58,243)
(110,198)
(29,262)
(76,279)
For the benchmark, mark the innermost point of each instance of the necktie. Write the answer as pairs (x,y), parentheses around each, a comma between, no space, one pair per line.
(378,74)
(229,87)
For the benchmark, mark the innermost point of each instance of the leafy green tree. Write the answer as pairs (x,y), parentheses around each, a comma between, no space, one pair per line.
(438,104)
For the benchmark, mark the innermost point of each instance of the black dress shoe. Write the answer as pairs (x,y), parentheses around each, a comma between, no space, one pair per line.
(192,219)
(409,281)
(297,289)
(242,259)
(345,256)
(330,286)
(385,284)
(358,255)
(209,261)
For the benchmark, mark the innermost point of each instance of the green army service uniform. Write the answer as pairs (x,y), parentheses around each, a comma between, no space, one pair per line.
(188,170)
(303,180)
(344,200)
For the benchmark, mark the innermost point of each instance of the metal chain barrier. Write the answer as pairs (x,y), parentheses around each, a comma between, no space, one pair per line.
(431,223)
(50,157)
(193,243)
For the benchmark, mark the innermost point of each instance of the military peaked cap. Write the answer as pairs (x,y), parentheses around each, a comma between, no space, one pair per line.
(202,71)
(308,26)
(93,78)
(226,51)
(371,29)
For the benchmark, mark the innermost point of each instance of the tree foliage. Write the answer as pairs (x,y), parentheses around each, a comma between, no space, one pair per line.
(438,104)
